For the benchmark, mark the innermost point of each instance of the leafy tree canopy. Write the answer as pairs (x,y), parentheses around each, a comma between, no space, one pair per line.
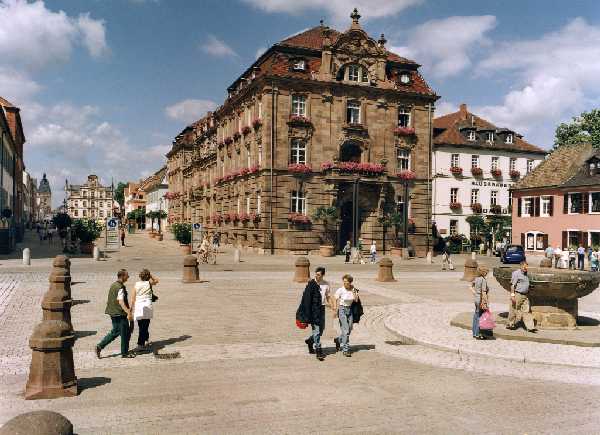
(119,193)
(582,129)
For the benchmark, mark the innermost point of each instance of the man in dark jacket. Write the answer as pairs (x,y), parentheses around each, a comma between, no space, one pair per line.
(312,310)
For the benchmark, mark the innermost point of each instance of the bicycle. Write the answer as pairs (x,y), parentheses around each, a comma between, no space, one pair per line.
(208,257)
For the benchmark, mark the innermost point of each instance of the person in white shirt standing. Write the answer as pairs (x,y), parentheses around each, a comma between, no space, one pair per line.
(557,257)
(344,297)
(373,252)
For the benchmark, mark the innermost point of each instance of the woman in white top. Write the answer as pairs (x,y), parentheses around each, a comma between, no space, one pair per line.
(141,306)
(373,252)
(344,296)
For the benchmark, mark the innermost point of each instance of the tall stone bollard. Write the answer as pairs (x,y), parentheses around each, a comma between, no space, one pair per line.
(27,257)
(56,303)
(429,260)
(39,423)
(52,371)
(96,253)
(470,270)
(190,269)
(385,273)
(302,270)
(236,255)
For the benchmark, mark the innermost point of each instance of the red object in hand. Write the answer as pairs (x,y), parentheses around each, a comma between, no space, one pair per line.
(301,325)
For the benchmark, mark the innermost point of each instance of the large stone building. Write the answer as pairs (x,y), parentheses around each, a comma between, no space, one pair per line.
(44,200)
(315,115)
(475,164)
(90,199)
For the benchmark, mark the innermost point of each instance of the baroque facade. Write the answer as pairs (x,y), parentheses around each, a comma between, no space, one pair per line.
(90,199)
(316,115)
(475,164)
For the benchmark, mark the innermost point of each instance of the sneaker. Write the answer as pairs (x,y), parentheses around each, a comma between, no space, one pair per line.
(319,354)
(511,327)
(129,355)
(337,344)
(98,350)
(309,343)
(347,354)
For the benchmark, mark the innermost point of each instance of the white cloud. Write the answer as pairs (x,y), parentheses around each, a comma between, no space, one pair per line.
(189,110)
(216,47)
(556,77)
(446,46)
(444,107)
(16,86)
(33,36)
(338,10)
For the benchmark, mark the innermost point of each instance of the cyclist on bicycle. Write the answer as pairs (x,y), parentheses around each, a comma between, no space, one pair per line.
(203,251)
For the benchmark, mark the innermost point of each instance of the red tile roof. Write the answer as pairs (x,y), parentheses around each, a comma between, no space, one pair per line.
(6,103)
(452,123)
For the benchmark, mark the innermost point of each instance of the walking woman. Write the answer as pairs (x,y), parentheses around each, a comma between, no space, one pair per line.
(141,305)
(480,290)
(347,251)
(344,296)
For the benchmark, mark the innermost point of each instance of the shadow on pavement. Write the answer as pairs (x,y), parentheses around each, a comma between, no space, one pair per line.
(85,383)
(161,344)
(80,301)
(81,334)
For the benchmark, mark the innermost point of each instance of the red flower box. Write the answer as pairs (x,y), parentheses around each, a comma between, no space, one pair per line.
(253,169)
(327,165)
(216,218)
(496,172)
(244,217)
(298,218)
(455,205)
(456,170)
(244,171)
(476,171)
(404,131)
(476,207)
(407,175)
(246,130)
(299,168)
(515,174)
(255,217)
(256,123)
(299,119)
(228,140)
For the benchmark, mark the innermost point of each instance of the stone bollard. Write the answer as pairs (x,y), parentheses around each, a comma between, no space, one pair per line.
(236,255)
(489,252)
(385,274)
(52,371)
(429,260)
(473,255)
(56,303)
(302,272)
(96,253)
(470,270)
(546,262)
(39,423)
(27,257)
(190,269)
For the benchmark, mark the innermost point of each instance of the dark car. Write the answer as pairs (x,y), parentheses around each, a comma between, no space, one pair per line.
(513,254)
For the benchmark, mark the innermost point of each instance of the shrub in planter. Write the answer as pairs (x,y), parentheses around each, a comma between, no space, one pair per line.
(182,232)
(299,169)
(496,172)
(476,207)
(456,170)
(515,174)
(455,206)
(62,221)
(327,215)
(476,171)
(404,131)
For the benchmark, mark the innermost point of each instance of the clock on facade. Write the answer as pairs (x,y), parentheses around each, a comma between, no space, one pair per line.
(405,78)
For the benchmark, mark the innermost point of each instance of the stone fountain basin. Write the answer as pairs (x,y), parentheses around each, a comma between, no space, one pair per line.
(546,283)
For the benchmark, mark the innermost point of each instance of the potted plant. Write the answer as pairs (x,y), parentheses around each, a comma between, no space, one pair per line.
(396,221)
(496,209)
(456,170)
(183,234)
(476,207)
(404,131)
(327,215)
(299,169)
(476,171)
(455,206)
(87,231)
(151,215)
(299,220)
(62,222)
(496,172)
(514,174)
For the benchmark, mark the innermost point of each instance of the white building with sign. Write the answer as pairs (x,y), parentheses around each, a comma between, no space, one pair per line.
(474,164)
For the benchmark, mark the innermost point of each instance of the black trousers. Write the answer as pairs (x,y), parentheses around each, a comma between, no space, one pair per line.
(580,261)
(143,334)
(347,257)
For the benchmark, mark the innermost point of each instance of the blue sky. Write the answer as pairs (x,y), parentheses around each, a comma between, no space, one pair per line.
(104,85)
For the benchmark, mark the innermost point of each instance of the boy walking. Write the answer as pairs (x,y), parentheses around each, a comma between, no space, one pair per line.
(117,307)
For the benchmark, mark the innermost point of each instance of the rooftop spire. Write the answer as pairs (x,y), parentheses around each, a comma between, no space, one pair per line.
(355,17)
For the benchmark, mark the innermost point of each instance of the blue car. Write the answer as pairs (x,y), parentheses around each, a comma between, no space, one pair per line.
(513,254)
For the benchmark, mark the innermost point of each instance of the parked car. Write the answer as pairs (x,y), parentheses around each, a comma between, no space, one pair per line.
(513,254)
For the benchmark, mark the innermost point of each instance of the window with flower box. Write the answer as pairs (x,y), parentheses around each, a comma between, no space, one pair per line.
(474,161)
(353,112)
(474,196)
(298,152)
(455,161)
(453,195)
(494,163)
(494,197)
(403,159)
(298,204)
(403,117)
(298,105)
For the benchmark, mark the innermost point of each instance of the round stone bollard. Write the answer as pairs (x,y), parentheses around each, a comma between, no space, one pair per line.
(470,270)
(96,253)
(546,262)
(57,302)
(236,255)
(429,260)
(190,269)
(385,274)
(39,423)
(27,257)
(302,270)
(473,255)
(52,371)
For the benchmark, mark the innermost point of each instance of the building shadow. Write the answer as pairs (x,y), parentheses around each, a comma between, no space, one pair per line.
(81,334)
(86,383)
(587,321)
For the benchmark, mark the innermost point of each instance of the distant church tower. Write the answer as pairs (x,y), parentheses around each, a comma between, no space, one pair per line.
(44,199)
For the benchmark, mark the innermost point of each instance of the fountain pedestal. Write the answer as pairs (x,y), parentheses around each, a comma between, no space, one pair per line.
(553,293)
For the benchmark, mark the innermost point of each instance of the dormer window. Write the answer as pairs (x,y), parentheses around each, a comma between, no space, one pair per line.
(299,65)
(489,136)
(356,73)
(353,73)
(471,135)
(509,138)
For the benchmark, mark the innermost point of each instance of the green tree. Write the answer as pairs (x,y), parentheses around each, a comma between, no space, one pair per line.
(582,129)
(327,215)
(120,194)
(395,220)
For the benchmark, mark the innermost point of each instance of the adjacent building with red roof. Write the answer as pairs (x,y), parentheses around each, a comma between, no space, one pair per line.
(322,119)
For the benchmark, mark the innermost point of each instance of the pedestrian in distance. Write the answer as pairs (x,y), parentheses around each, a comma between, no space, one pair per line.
(594,262)
(373,252)
(117,307)
(359,256)
(344,297)
(549,252)
(216,241)
(311,310)
(572,257)
(142,299)
(580,257)
(347,251)
(557,256)
(479,289)
(446,259)
(123,236)
(519,300)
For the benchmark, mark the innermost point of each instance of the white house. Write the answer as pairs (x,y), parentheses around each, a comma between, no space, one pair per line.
(155,187)
(474,164)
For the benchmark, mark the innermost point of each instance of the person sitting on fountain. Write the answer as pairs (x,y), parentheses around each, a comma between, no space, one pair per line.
(519,310)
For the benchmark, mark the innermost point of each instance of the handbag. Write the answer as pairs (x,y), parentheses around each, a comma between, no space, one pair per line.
(301,325)
(486,320)
(154,298)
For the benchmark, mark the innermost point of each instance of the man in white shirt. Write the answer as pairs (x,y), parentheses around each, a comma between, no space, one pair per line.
(557,256)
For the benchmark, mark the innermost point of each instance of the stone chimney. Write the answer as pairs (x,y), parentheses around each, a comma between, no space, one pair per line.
(463,111)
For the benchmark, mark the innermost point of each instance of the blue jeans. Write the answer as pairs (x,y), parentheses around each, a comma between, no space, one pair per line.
(476,315)
(373,257)
(317,330)
(345,316)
